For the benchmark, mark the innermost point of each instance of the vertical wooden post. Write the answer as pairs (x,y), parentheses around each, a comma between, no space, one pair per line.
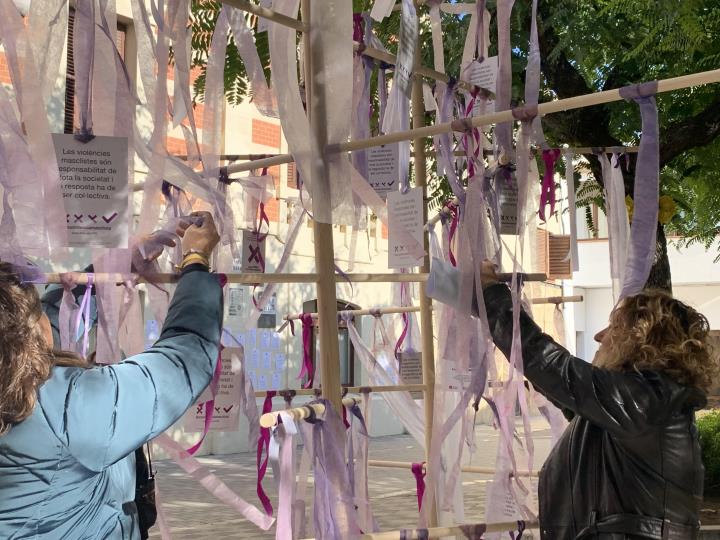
(426,321)
(322,232)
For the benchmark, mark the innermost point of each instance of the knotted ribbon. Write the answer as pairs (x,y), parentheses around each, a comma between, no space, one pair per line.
(547,190)
(308,368)
(418,470)
(263,446)
(84,317)
(643,231)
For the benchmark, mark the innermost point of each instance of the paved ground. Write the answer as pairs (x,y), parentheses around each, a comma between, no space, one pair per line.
(194,514)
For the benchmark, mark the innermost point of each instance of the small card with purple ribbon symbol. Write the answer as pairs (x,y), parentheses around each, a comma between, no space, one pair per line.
(253,254)
(94,184)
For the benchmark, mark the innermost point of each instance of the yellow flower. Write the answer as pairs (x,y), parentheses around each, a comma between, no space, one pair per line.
(667,210)
(630,205)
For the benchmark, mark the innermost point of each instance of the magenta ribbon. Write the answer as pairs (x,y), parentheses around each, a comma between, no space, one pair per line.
(84,315)
(209,405)
(418,470)
(547,190)
(308,369)
(453,229)
(264,446)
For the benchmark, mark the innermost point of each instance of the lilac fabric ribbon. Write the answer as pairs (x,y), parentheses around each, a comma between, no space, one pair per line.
(263,445)
(547,193)
(504,82)
(84,317)
(335,515)
(643,231)
(418,471)
(570,181)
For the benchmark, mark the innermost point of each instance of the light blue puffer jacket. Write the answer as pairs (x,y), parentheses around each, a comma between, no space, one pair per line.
(67,471)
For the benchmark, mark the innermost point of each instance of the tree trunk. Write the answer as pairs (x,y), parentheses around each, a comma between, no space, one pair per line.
(660,272)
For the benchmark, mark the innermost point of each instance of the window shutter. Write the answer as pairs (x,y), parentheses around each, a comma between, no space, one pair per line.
(552,255)
(291,178)
(559,266)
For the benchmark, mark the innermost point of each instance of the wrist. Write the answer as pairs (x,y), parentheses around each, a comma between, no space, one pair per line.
(193,258)
(195,251)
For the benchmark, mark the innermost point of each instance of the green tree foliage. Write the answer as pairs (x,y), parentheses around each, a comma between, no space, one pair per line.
(587,46)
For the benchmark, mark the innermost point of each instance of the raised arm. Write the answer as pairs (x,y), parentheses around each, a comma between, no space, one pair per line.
(618,401)
(110,411)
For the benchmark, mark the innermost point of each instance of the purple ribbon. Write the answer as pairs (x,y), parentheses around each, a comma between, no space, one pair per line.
(264,446)
(547,189)
(418,470)
(308,369)
(646,192)
(83,317)
(335,515)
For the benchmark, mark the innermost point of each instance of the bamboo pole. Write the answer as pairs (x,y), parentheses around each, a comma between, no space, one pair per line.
(270,419)
(81,278)
(268,14)
(423,71)
(550,107)
(350,390)
(361,312)
(426,320)
(323,232)
(557,299)
(440,532)
(464,468)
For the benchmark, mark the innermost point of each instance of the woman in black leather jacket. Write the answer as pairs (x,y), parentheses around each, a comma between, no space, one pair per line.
(628,466)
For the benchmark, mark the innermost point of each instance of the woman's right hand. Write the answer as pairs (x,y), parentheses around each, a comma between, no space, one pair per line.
(200,238)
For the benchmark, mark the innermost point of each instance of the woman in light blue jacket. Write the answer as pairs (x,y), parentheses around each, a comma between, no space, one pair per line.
(68,432)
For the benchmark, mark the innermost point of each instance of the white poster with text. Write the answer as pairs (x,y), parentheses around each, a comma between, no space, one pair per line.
(384,168)
(405,228)
(94,183)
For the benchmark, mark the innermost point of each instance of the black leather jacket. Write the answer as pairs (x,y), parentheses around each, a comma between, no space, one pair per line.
(628,466)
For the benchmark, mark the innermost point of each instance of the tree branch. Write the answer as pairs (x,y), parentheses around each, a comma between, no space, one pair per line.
(689,133)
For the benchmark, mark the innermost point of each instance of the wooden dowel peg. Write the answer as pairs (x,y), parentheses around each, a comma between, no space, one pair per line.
(557,300)
(349,389)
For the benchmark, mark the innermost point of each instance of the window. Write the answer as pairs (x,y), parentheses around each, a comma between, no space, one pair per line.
(553,252)
(292,182)
(72,120)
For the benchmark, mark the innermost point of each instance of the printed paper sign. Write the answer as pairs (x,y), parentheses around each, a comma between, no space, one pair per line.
(253,260)
(384,168)
(405,228)
(508,206)
(236,296)
(484,74)
(429,98)
(94,183)
(226,409)
(411,370)
(268,316)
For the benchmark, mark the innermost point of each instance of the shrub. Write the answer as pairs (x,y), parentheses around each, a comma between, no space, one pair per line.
(709,432)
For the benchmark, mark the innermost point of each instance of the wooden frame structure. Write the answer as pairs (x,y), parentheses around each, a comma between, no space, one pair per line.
(325,277)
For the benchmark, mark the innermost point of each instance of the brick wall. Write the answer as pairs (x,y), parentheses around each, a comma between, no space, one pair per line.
(266,133)
(176,146)
(4,70)
(272,207)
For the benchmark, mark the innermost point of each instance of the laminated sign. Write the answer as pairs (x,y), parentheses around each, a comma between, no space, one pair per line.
(384,168)
(411,370)
(253,258)
(226,414)
(405,228)
(484,75)
(94,184)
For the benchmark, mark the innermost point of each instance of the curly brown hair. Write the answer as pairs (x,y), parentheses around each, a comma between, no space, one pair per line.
(25,358)
(654,331)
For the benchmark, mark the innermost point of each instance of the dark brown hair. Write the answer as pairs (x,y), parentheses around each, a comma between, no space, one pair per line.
(25,358)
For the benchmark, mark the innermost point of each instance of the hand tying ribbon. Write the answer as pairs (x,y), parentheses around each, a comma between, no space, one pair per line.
(418,470)
(547,190)
(264,446)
